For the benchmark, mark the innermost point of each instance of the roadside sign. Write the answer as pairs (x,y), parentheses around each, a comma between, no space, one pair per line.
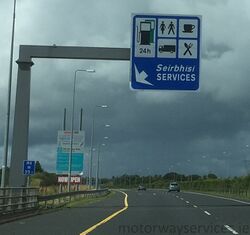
(62,163)
(165,52)
(74,179)
(63,151)
(28,167)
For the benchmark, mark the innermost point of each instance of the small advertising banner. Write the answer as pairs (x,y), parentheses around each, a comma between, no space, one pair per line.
(63,179)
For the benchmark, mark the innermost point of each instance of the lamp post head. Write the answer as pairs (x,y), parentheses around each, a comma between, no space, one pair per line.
(101,106)
(85,70)
(104,106)
(90,70)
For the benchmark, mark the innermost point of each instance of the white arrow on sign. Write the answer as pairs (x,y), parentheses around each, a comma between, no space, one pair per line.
(141,76)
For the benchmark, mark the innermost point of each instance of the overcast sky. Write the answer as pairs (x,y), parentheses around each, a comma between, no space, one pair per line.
(152,132)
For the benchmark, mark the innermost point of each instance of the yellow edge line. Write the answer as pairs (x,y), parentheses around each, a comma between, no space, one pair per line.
(109,217)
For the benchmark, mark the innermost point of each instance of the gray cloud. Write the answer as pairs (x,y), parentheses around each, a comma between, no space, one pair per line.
(152,132)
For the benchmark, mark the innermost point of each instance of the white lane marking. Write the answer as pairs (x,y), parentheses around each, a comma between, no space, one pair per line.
(187,202)
(230,229)
(181,198)
(177,196)
(194,206)
(220,197)
(206,212)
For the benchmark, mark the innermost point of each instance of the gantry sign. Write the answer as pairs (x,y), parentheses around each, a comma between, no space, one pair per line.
(165,52)
(22,107)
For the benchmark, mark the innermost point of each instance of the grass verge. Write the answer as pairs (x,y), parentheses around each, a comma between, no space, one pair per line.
(226,195)
(86,201)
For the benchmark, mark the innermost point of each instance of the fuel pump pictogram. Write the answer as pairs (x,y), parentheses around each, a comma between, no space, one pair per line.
(145,32)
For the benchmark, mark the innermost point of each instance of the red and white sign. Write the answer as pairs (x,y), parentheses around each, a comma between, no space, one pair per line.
(63,179)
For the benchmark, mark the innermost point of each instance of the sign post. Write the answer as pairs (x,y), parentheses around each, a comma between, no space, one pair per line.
(165,52)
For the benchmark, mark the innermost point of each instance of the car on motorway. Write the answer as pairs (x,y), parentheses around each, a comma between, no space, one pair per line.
(141,187)
(173,186)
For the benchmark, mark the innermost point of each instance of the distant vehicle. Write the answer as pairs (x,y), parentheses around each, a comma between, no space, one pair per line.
(173,186)
(167,48)
(141,187)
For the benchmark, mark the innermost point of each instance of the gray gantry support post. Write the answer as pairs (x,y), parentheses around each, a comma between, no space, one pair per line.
(21,124)
(22,107)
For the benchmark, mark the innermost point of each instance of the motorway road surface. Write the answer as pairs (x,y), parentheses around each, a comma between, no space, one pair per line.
(148,212)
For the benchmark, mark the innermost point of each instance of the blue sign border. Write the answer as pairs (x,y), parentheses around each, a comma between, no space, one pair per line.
(149,65)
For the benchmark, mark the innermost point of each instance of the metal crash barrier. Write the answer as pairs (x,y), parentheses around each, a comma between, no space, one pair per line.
(55,200)
(18,199)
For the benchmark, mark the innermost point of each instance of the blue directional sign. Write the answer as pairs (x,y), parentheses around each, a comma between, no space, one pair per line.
(28,167)
(62,163)
(165,52)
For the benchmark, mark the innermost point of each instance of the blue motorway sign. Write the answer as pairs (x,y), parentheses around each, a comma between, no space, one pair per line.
(28,167)
(165,52)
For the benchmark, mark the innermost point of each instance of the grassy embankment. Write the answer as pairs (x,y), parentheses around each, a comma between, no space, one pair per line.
(238,187)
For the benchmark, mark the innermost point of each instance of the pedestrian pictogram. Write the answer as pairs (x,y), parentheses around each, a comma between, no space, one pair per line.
(163,27)
(188,46)
(171,28)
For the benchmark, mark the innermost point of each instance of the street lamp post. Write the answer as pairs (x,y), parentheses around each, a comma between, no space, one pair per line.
(97,168)
(92,141)
(7,127)
(98,162)
(72,122)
